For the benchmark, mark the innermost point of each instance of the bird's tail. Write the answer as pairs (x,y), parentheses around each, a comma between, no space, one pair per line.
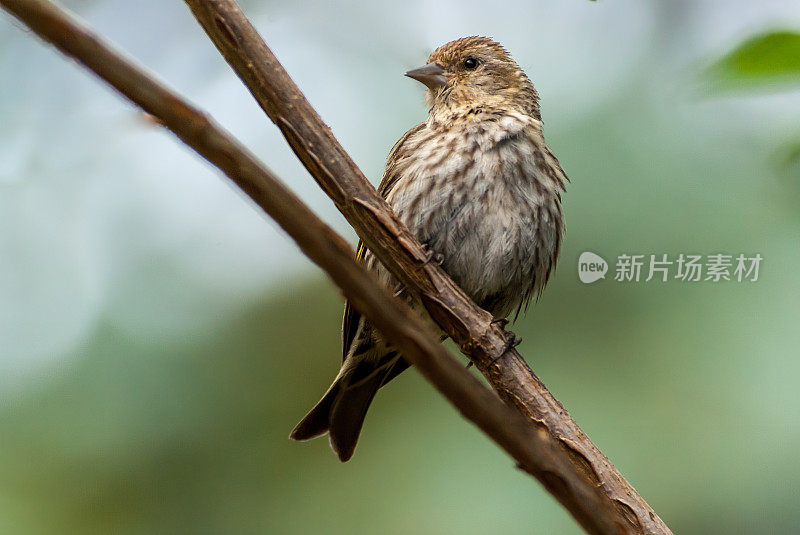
(342,409)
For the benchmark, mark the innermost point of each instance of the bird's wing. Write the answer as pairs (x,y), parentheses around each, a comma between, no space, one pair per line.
(390,178)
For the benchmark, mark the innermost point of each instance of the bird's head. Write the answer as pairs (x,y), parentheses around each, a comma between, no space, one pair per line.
(476,71)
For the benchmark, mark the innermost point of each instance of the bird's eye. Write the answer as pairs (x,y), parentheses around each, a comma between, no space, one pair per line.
(470,63)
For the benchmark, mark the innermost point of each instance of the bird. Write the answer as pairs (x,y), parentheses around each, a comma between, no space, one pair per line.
(480,189)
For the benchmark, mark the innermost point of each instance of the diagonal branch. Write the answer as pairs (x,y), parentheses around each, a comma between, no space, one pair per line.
(468,325)
(554,449)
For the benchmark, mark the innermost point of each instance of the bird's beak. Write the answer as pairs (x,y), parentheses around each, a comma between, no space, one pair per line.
(432,75)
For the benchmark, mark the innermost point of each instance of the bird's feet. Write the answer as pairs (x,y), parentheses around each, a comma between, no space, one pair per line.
(512,341)
(502,322)
(432,256)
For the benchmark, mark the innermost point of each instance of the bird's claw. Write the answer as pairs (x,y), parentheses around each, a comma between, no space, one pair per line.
(502,322)
(433,256)
(512,341)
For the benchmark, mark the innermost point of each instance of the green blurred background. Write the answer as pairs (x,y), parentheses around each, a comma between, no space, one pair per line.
(159,337)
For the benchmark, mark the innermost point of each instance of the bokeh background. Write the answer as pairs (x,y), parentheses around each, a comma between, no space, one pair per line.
(159,337)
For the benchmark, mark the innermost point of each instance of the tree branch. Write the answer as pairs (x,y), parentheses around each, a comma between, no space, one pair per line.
(554,449)
(468,325)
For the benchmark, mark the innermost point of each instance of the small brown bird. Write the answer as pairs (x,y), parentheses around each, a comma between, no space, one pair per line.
(478,186)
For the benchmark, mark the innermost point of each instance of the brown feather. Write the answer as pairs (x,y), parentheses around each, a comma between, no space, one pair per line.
(475,183)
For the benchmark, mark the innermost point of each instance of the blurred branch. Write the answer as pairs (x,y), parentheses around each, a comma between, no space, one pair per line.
(553,449)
